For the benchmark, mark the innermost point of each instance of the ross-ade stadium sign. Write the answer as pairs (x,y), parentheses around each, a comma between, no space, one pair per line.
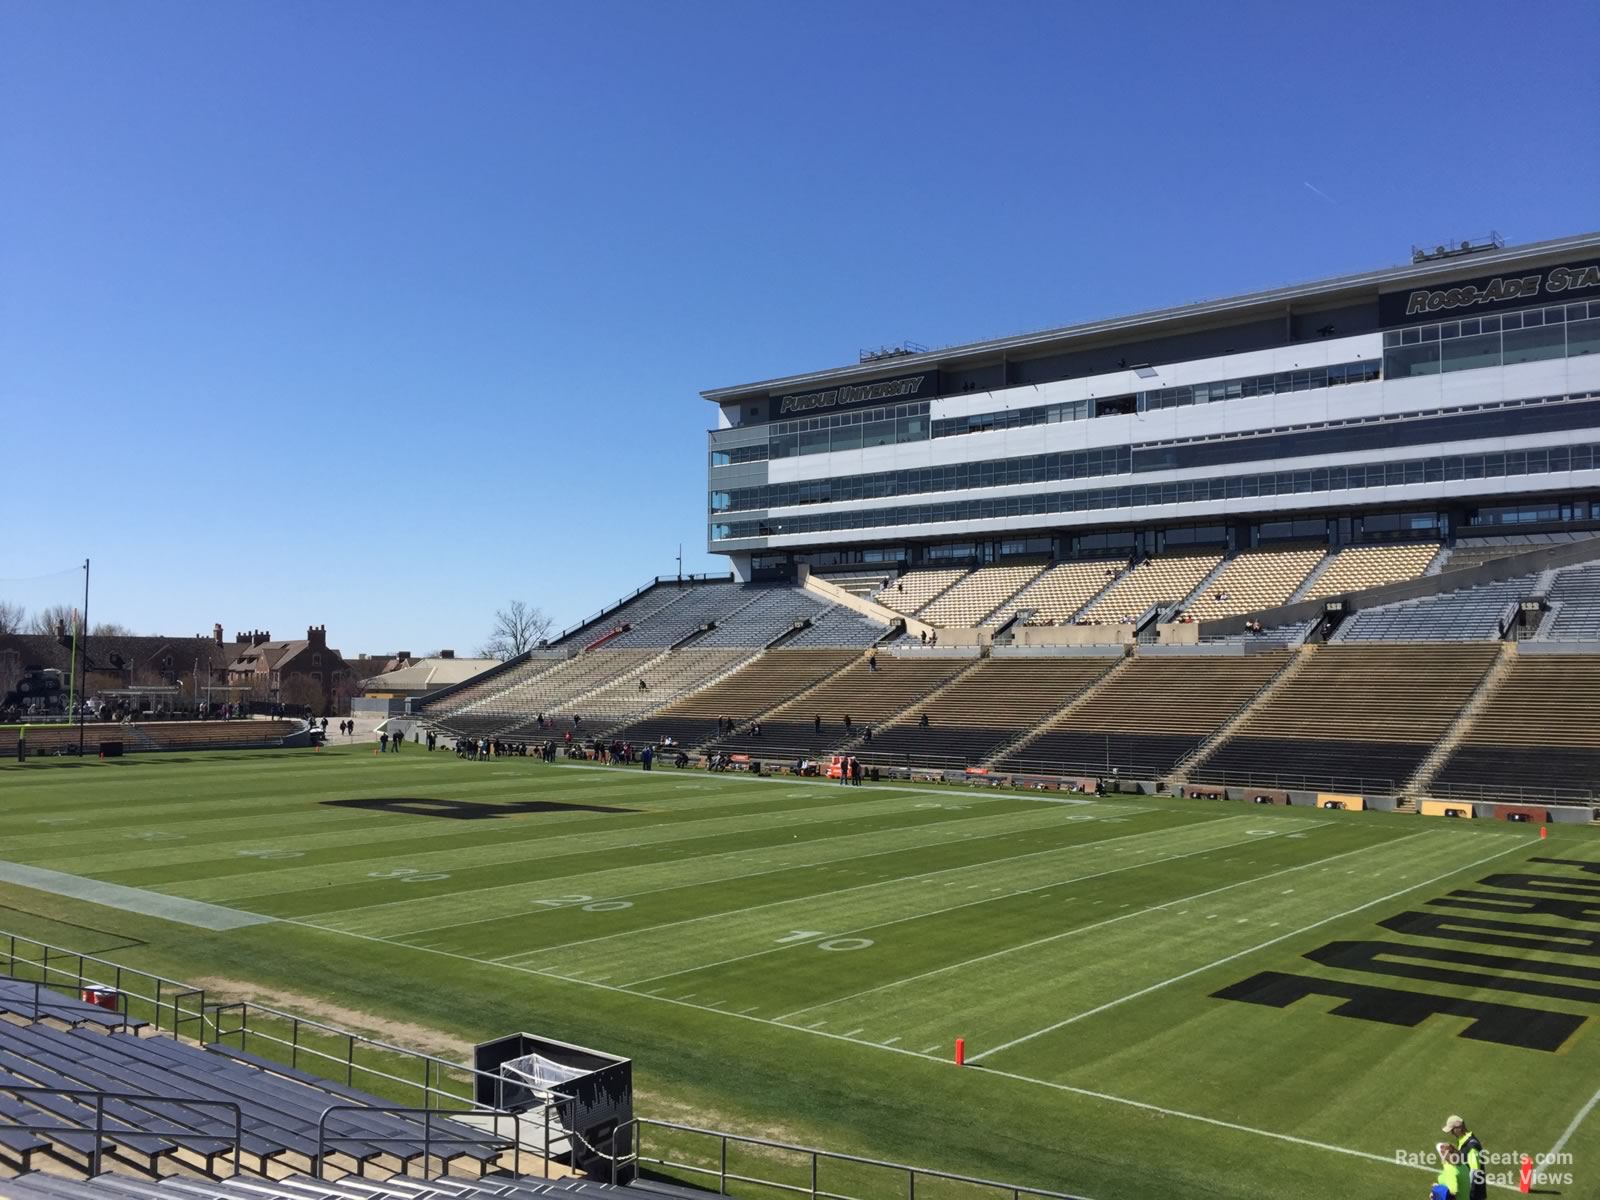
(1556,283)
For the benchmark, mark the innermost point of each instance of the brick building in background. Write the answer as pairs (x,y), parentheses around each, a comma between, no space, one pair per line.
(301,672)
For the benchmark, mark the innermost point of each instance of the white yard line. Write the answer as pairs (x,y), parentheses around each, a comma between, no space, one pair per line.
(988,862)
(1388,1160)
(1134,866)
(941,826)
(811,817)
(1055,937)
(1516,844)
(1566,1136)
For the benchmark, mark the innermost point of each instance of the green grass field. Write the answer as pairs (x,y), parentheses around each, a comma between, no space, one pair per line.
(797,959)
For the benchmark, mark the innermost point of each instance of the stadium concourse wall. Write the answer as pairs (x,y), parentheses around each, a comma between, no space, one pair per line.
(147,737)
(1531,562)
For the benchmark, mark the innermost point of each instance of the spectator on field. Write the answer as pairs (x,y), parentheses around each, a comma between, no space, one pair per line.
(855,772)
(383,741)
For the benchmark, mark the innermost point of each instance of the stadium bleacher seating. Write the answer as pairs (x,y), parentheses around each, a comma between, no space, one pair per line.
(1253,580)
(914,589)
(979,594)
(1357,717)
(1539,730)
(1468,614)
(1356,568)
(640,609)
(867,697)
(1060,592)
(698,606)
(770,680)
(774,612)
(1577,592)
(857,583)
(666,677)
(1150,715)
(38,1185)
(839,626)
(280,1107)
(1465,554)
(1168,578)
(983,710)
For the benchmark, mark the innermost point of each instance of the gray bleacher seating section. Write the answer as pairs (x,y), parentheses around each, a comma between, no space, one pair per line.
(1577,591)
(840,627)
(1470,614)
(696,607)
(39,1186)
(773,612)
(1359,717)
(280,1107)
(601,682)
(30,1002)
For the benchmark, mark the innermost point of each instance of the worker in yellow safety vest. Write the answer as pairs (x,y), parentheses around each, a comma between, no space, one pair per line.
(1470,1151)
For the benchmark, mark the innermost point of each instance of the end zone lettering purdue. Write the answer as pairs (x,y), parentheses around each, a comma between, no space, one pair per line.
(1485,918)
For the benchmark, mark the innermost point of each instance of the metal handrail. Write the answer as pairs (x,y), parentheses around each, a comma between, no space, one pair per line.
(724,1176)
(170,992)
(100,1099)
(325,1138)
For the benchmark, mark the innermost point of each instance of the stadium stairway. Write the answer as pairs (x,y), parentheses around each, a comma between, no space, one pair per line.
(1537,734)
(1297,662)
(1459,730)
(1018,746)
(854,744)
(1154,712)
(1000,700)
(1355,717)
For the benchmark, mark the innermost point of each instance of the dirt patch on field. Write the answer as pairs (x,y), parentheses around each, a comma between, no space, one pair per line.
(662,1107)
(405,1034)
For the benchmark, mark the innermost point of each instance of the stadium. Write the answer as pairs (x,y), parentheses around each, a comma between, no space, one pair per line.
(1216,697)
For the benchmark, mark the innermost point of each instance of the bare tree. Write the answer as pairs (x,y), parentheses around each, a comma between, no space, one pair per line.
(47,619)
(518,627)
(110,629)
(13,617)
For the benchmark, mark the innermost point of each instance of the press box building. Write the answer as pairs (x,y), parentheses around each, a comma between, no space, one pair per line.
(1458,393)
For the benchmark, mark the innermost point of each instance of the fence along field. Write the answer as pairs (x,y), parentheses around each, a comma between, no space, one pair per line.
(1124,959)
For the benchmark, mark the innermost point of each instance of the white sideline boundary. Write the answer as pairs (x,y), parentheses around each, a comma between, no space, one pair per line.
(1155,987)
(1056,937)
(1387,1160)
(114,895)
(1566,1134)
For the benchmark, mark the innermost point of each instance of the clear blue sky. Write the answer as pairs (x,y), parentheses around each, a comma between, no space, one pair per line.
(379,314)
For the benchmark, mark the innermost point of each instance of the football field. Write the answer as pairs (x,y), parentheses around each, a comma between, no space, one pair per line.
(1154,994)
